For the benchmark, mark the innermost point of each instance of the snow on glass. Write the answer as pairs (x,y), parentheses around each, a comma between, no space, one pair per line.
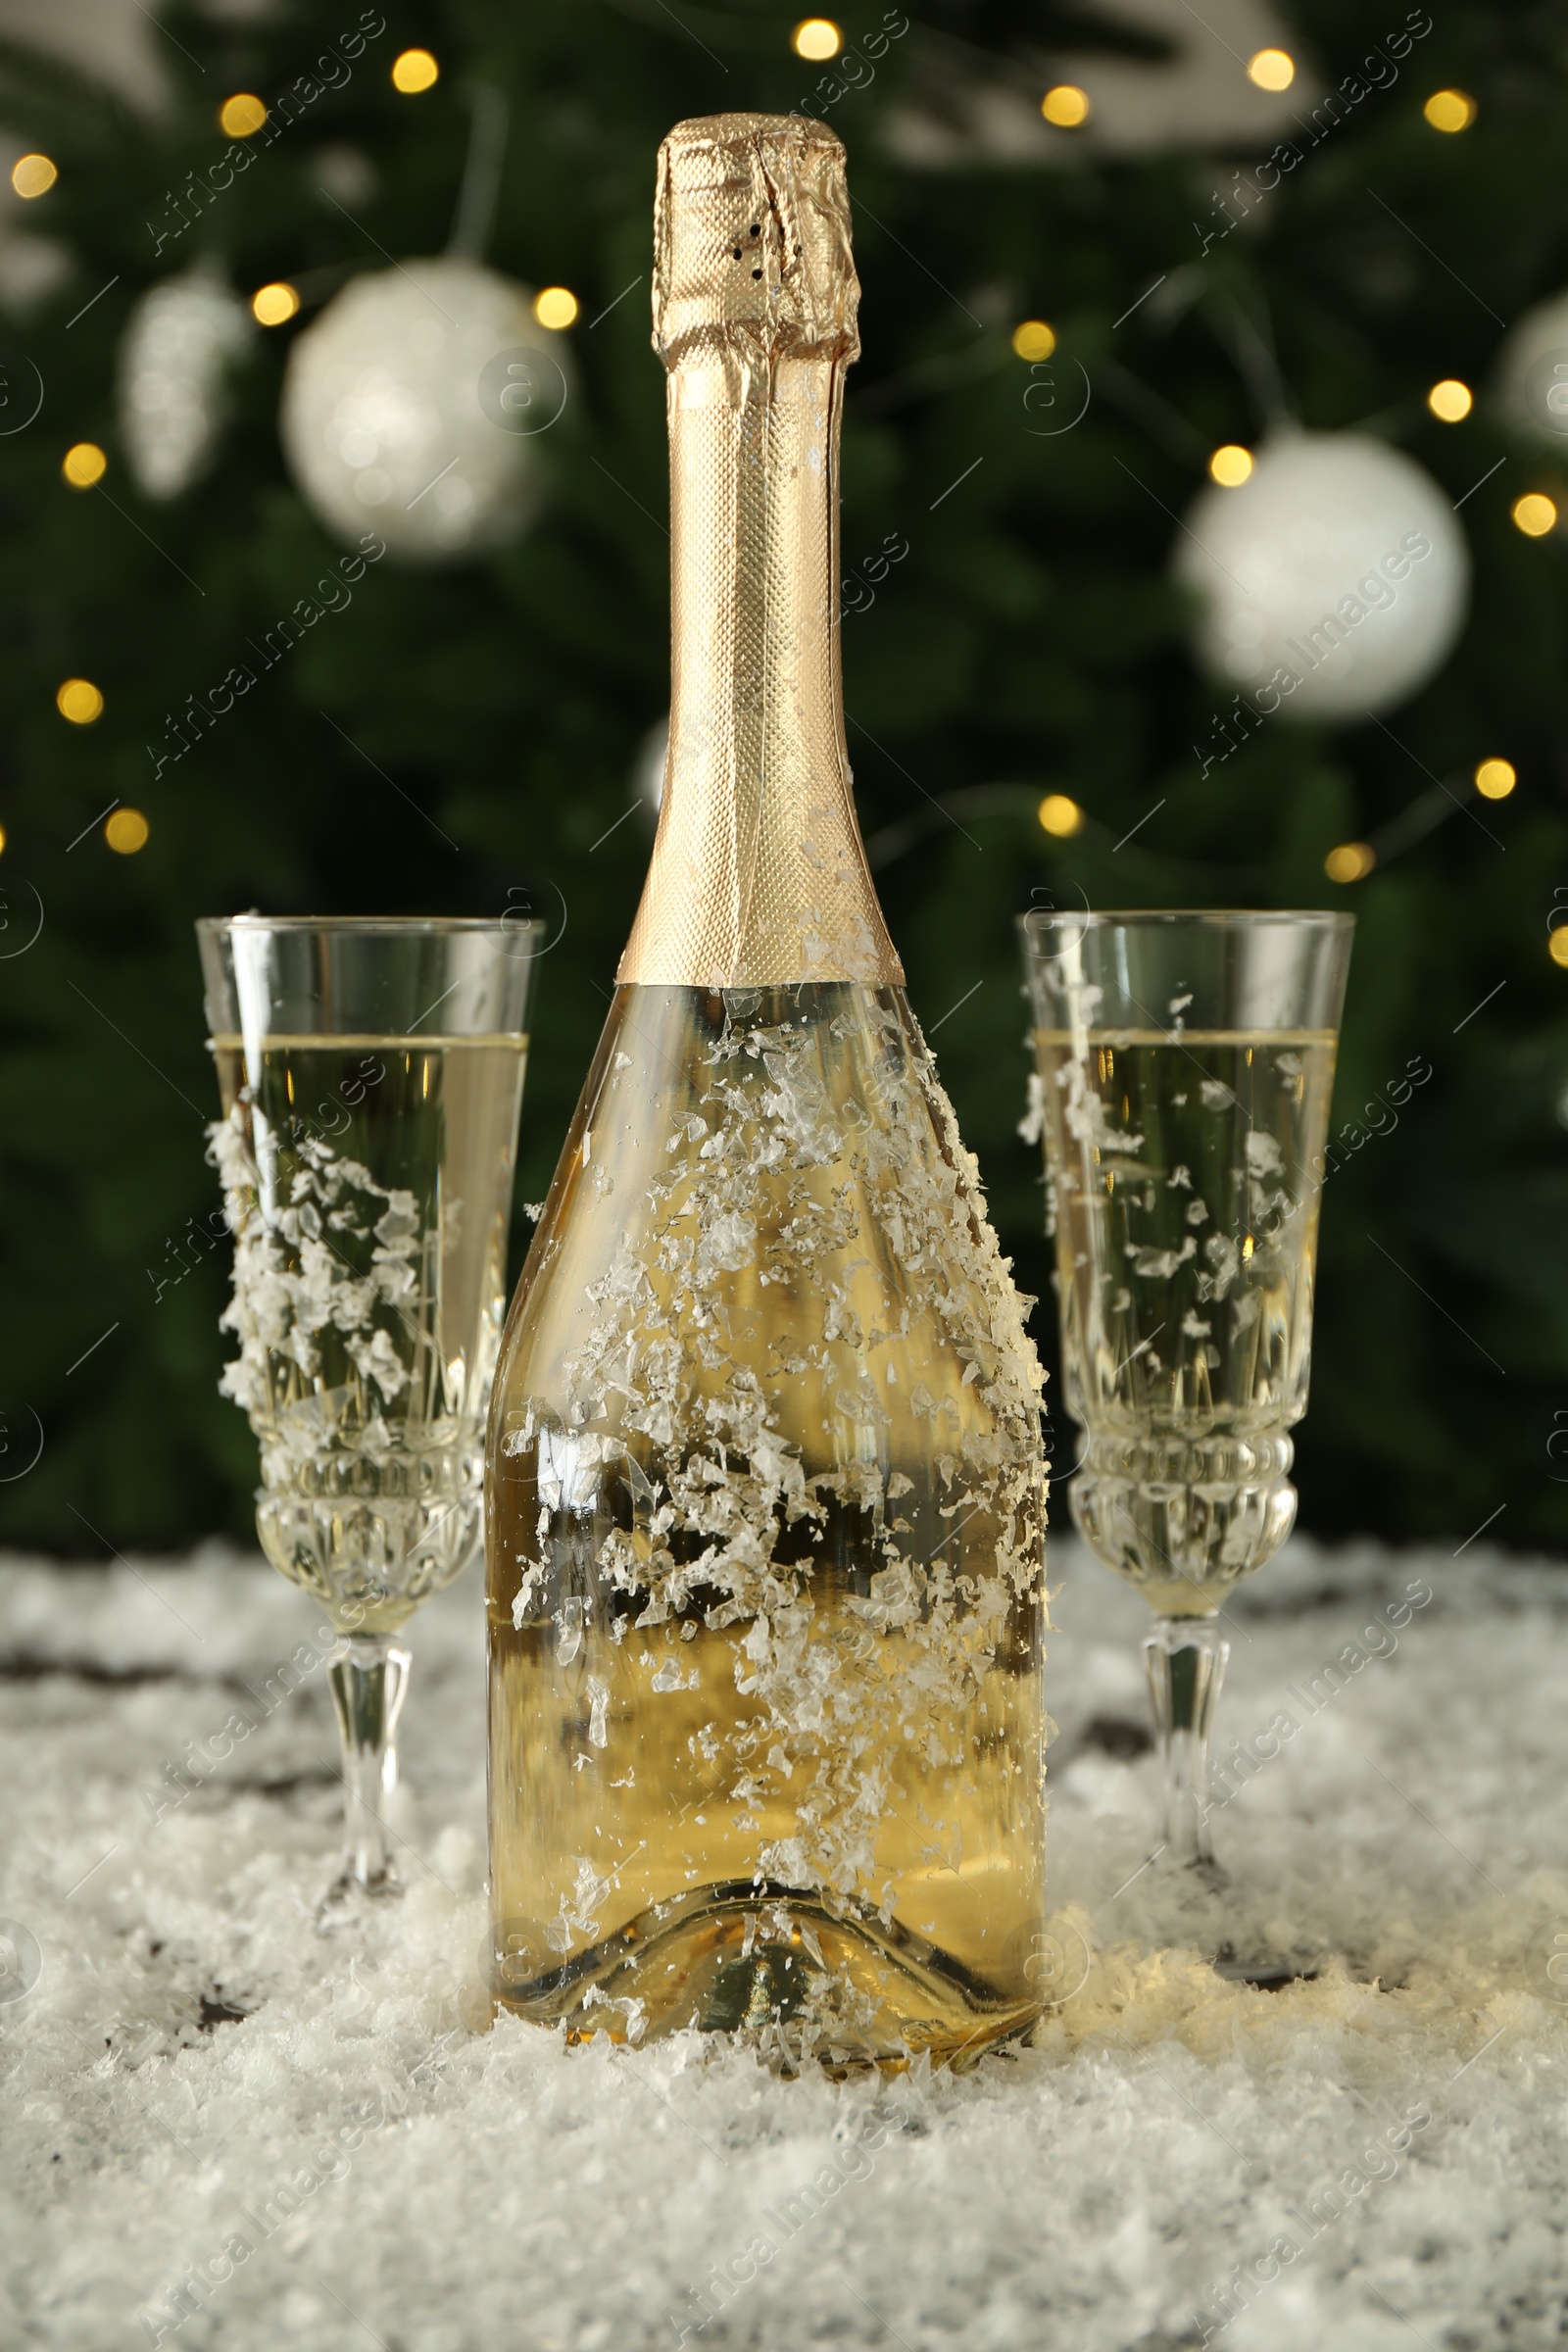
(295,1282)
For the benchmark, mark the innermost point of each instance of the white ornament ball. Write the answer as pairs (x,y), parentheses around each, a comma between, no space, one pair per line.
(1332,581)
(1533,373)
(179,342)
(412,406)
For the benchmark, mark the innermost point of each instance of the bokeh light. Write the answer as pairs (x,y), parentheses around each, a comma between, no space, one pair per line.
(126,831)
(83,464)
(1271,69)
(556,307)
(1535,513)
(1059,817)
(241,116)
(817,37)
(274,305)
(1350,861)
(1450,110)
(1450,400)
(79,700)
(1496,779)
(1033,340)
(414,70)
(1066,106)
(33,175)
(1230,466)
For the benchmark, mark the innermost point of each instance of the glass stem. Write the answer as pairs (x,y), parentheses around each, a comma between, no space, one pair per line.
(1185,1660)
(369,1676)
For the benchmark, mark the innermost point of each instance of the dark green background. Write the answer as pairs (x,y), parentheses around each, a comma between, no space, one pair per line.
(1031,639)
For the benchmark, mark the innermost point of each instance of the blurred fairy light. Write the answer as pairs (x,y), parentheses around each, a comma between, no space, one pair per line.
(2,837)
(241,116)
(1535,513)
(274,305)
(817,37)
(1059,817)
(1066,106)
(33,175)
(1450,400)
(1033,340)
(1271,69)
(126,831)
(83,464)
(414,70)
(556,307)
(79,700)
(1557,950)
(1450,110)
(1230,466)
(1493,777)
(1350,861)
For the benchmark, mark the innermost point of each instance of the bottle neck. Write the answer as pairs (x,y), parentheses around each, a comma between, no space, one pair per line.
(759,876)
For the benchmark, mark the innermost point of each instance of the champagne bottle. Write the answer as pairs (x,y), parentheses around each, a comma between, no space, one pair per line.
(765,1485)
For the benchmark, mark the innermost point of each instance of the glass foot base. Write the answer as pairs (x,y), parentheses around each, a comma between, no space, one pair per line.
(349,1898)
(1270,1971)
(1198,1906)
(1202,1873)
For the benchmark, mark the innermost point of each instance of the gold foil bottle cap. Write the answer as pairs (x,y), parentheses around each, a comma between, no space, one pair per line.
(752,242)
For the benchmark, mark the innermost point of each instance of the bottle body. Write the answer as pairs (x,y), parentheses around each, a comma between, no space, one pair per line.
(765,1513)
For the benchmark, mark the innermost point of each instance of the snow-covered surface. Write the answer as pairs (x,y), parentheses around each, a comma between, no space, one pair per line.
(456,2187)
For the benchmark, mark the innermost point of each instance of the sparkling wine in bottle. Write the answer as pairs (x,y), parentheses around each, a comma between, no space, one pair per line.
(765,1488)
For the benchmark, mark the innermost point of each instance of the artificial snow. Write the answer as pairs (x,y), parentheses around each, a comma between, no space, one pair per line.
(224,2128)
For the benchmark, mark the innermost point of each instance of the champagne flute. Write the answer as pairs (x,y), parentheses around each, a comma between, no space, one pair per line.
(371,1073)
(1185,1063)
